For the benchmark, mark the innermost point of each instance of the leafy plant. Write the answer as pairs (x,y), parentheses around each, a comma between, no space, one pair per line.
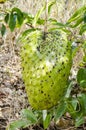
(78,19)
(3,29)
(27,118)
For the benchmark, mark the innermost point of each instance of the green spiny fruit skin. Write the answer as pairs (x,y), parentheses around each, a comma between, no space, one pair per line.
(46,63)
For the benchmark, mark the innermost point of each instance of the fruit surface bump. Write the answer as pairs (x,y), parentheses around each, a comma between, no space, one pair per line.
(46,64)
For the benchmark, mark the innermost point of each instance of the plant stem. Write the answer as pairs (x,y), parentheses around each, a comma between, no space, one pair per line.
(46,16)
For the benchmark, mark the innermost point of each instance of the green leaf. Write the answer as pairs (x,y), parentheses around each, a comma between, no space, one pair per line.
(83,29)
(79,120)
(37,16)
(41,21)
(85,17)
(61,24)
(82,101)
(28,18)
(6,19)
(70,86)
(19,14)
(81,77)
(28,118)
(54,22)
(74,103)
(60,110)
(78,22)
(71,108)
(83,83)
(29,115)
(50,4)
(12,21)
(15,18)
(17,124)
(77,14)
(47,120)
(25,34)
(3,29)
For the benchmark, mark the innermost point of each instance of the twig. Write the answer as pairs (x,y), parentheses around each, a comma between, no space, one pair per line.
(30,25)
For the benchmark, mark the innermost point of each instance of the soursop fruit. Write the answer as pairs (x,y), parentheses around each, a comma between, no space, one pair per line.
(46,63)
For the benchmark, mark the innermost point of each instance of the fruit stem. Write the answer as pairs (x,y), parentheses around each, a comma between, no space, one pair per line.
(44,114)
(46,15)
